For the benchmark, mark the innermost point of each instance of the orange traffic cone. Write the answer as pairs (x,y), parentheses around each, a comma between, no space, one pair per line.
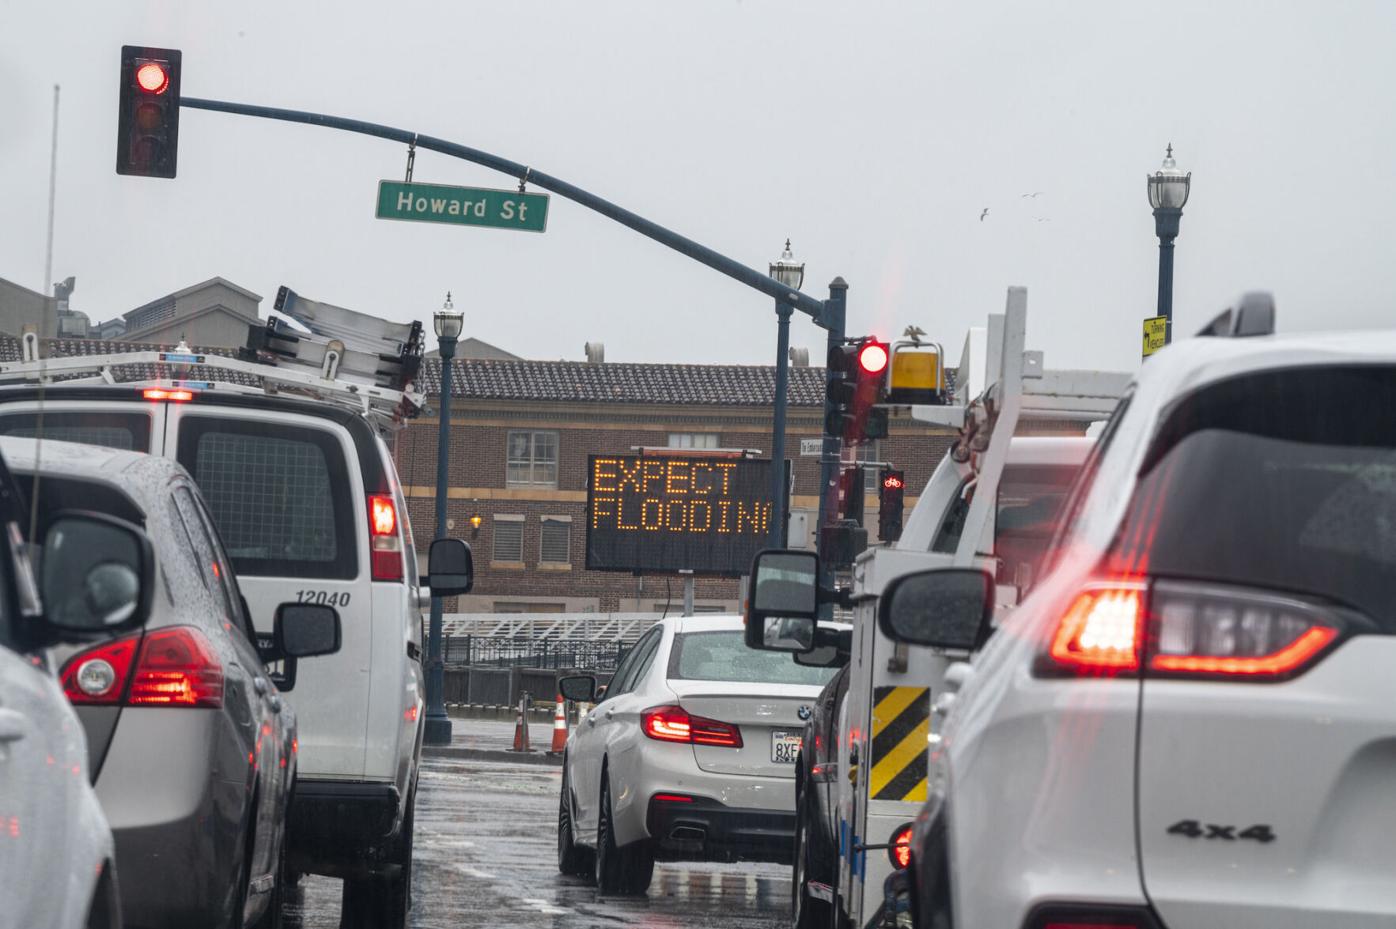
(559,727)
(521,731)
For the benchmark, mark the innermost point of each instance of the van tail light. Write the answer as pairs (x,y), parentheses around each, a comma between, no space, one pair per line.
(385,544)
(899,848)
(175,666)
(675,724)
(1185,630)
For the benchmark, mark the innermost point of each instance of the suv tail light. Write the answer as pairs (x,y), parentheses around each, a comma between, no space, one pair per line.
(675,724)
(385,545)
(174,666)
(1176,629)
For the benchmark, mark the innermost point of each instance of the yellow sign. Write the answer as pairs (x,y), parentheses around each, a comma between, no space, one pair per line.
(1155,329)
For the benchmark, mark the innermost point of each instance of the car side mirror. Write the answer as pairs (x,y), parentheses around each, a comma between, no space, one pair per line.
(450,568)
(949,608)
(580,688)
(783,605)
(832,649)
(96,578)
(304,630)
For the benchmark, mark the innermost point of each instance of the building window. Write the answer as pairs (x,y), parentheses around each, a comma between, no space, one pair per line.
(511,606)
(693,440)
(532,459)
(556,540)
(870,451)
(508,538)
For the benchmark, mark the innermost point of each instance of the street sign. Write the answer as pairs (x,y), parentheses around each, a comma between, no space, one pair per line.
(1155,329)
(811,448)
(704,514)
(462,206)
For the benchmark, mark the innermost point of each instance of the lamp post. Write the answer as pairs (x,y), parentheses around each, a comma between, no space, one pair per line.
(448,323)
(1168,192)
(791,274)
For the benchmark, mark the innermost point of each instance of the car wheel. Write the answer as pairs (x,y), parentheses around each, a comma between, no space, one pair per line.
(382,901)
(619,871)
(810,864)
(572,859)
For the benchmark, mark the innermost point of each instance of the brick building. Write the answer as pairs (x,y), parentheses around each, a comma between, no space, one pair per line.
(521,435)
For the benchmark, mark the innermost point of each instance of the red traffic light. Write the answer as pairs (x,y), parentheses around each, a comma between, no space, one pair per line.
(872,357)
(893,482)
(152,77)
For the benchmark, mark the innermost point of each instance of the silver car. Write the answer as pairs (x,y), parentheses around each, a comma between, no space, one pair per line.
(689,754)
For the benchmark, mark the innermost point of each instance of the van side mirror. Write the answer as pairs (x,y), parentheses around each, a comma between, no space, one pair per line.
(783,604)
(96,577)
(450,568)
(304,630)
(580,688)
(949,608)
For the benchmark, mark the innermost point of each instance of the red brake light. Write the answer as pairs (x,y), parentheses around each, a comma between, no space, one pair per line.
(160,393)
(386,554)
(671,798)
(1101,631)
(675,724)
(900,850)
(152,77)
(872,357)
(177,667)
(98,675)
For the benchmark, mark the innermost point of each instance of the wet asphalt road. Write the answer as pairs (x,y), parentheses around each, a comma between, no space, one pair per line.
(486,852)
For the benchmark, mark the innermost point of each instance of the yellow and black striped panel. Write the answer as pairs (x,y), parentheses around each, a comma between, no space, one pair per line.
(901,722)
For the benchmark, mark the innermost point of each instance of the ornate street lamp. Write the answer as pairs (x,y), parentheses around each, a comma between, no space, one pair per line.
(1168,192)
(448,322)
(791,274)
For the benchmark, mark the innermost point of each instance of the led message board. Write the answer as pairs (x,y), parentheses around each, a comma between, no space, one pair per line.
(704,514)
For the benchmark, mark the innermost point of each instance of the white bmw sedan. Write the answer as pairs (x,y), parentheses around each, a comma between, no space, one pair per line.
(689,754)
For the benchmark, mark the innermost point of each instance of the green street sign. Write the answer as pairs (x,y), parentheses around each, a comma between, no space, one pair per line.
(462,206)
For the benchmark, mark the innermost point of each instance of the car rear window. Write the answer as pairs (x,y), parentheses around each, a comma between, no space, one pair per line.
(127,431)
(1284,480)
(280,495)
(724,656)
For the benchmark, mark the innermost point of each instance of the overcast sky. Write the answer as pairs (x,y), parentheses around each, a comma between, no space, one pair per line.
(871,133)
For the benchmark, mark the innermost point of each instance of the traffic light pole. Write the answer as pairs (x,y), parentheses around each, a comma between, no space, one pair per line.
(757,280)
(833,322)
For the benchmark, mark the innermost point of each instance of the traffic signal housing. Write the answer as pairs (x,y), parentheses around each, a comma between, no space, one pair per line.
(891,500)
(147,131)
(858,379)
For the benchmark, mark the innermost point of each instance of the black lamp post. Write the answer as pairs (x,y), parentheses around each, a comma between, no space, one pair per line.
(789,273)
(448,323)
(1168,192)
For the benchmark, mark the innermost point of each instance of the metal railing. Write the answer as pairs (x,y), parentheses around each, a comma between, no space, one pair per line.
(594,627)
(524,652)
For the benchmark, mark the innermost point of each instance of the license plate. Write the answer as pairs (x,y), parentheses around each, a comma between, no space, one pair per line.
(785,746)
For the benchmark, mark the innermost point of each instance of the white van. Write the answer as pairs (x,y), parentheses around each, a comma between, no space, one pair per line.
(307,501)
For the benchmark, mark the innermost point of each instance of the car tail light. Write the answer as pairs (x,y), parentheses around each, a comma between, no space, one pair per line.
(675,724)
(899,850)
(1176,629)
(671,798)
(98,675)
(177,667)
(174,666)
(385,546)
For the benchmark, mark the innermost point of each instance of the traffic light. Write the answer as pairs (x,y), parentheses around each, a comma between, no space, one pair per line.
(147,133)
(851,489)
(859,376)
(891,490)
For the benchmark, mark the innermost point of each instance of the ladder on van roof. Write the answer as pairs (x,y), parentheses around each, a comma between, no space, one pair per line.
(371,370)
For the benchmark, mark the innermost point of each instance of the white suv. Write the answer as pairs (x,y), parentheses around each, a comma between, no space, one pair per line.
(1191,721)
(309,508)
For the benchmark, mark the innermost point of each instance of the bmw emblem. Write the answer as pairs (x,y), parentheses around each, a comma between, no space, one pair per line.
(804,712)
